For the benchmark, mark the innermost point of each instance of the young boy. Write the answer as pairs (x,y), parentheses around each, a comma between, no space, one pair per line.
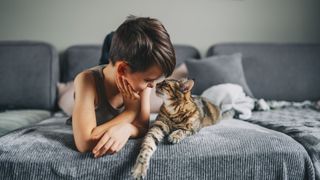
(112,101)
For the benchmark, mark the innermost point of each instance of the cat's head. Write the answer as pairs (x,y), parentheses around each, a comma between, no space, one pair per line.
(174,89)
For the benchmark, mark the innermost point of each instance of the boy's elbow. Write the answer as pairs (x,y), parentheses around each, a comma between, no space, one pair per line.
(84,147)
(142,128)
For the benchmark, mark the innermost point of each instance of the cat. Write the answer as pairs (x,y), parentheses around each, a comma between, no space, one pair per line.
(181,115)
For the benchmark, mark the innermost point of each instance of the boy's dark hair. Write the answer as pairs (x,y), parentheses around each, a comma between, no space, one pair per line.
(143,42)
(104,59)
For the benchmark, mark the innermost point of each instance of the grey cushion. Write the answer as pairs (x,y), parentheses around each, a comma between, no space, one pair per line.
(216,70)
(278,71)
(15,119)
(29,72)
(185,52)
(80,57)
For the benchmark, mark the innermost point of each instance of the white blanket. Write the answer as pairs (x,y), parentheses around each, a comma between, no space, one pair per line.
(230,97)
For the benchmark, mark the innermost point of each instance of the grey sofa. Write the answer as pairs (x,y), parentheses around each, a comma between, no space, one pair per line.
(37,144)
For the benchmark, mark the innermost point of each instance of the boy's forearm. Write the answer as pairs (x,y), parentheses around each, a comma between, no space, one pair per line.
(137,130)
(124,117)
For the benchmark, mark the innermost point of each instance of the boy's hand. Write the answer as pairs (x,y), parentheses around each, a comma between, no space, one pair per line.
(131,99)
(113,140)
(125,89)
(98,131)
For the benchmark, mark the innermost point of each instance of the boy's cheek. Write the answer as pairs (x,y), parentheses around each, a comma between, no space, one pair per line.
(140,87)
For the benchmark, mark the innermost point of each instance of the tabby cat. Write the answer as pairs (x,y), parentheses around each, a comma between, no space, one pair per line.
(180,115)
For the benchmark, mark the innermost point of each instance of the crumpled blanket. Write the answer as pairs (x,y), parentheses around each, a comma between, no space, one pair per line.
(297,120)
(230,97)
(263,105)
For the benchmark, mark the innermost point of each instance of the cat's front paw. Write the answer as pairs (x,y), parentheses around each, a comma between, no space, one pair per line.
(175,137)
(139,171)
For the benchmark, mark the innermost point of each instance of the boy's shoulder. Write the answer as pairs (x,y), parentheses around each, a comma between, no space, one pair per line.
(87,73)
(98,67)
(87,76)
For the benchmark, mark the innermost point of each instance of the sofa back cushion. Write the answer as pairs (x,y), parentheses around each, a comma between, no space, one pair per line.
(278,71)
(29,72)
(80,57)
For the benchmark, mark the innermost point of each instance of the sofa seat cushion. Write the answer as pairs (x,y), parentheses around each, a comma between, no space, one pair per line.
(11,120)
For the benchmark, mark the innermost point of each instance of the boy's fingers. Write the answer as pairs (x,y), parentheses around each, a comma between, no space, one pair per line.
(109,152)
(121,146)
(125,86)
(114,148)
(102,141)
(120,84)
(130,91)
(136,95)
(106,147)
(133,94)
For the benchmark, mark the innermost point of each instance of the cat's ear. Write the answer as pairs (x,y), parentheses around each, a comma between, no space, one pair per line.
(186,85)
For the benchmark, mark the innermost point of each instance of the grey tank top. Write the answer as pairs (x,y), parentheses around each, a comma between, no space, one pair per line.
(103,110)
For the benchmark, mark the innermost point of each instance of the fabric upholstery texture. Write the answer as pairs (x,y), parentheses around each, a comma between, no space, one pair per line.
(29,72)
(278,71)
(78,58)
(232,149)
(15,119)
(216,70)
(302,124)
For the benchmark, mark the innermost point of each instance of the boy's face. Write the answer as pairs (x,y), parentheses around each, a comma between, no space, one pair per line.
(141,80)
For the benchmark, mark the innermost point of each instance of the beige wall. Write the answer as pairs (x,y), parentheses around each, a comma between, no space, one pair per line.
(200,23)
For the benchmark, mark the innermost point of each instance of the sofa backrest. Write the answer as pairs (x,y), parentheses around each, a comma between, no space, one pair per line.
(29,72)
(80,57)
(278,71)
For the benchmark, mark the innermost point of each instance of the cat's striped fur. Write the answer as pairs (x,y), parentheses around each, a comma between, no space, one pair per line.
(181,115)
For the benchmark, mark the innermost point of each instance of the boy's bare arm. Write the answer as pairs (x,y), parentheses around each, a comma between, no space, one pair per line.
(83,116)
(139,120)
(133,108)
(124,117)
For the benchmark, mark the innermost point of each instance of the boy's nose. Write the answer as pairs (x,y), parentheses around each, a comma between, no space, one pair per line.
(150,85)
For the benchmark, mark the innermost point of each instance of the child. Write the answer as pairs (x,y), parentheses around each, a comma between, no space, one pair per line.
(112,101)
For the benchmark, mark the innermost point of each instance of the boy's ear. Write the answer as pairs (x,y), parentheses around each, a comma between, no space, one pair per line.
(186,85)
(122,68)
